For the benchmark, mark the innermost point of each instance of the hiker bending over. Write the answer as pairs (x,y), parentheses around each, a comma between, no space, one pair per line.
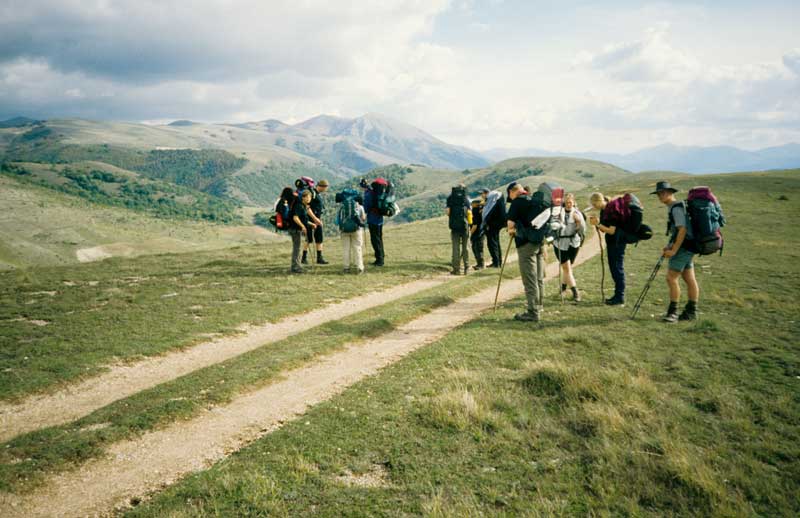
(476,234)
(302,225)
(571,232)
(351,219)
(494,220)
(317,208)
(459,220)
(679,255)
(529,249)
(374,217)
(609,224)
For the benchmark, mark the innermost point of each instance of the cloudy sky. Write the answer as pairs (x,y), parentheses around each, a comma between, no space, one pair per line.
(560,75)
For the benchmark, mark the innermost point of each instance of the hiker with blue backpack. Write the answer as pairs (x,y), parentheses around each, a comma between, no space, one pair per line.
(351,219)
(693,228)
(379,202)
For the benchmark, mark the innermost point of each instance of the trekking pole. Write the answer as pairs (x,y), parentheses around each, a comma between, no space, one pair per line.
(502,267)
(312,250)
(558,261)
(602,266)
(641,298)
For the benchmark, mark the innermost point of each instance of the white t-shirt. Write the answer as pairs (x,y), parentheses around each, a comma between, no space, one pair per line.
(569,229)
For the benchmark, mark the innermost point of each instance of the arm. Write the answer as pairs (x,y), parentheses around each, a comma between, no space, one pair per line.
(669,251)
(299,223)
(512,228)
(313,217)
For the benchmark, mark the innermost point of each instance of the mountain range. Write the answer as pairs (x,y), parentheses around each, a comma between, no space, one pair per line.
(686,159)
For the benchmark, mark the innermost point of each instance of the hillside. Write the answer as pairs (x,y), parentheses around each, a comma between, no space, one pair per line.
(431,187)
(249,162)
(41,227)
(690,159)
(587,413)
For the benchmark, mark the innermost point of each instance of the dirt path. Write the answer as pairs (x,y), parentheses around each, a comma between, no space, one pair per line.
(119,382)
(137,467)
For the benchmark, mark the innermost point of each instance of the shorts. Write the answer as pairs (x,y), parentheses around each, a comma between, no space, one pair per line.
(316,234)
(566,255)
(681,261)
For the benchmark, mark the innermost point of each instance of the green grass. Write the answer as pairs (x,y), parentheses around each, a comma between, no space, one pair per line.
(590,413)
(41,227)
(26,459)
(120,310)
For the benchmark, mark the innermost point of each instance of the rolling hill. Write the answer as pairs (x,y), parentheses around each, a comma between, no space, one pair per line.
(249,162)
(691,159)
(41,227)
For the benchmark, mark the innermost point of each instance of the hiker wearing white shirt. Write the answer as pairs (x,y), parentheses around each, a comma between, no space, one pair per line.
(571,232)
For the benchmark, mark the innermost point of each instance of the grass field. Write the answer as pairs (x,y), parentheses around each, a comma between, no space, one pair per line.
(589,413)
(40,227)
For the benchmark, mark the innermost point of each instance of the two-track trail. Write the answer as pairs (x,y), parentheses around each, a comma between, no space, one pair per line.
(137,467)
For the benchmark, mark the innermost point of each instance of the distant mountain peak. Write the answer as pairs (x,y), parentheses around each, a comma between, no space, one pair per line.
(182,122)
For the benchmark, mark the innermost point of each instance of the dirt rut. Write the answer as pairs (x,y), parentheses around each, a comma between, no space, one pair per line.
(84,397)
(137,467)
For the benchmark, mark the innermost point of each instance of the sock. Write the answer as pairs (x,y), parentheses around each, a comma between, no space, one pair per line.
(563,287)
(319,255)
(574,291)
(673,307)
(305,254)
(691,306)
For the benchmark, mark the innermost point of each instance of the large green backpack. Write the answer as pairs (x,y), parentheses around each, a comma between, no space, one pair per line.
(347,215)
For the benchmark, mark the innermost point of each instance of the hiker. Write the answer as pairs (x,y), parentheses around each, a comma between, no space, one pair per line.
(679,254)
(571,227)
(529,249)
(493,219)
(301,227)
(351,219)
(317,208)
(459,219)
(476,234)
(624,211)
(374,218)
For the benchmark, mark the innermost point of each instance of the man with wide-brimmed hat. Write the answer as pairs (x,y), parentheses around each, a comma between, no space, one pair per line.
(679,254)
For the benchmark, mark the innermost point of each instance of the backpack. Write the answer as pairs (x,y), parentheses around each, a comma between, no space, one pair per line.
(385,200)
(457,203)
(347,215)
(306,183)
(706,218)
(546,199)
(282,219)
(626,213)
(580,231)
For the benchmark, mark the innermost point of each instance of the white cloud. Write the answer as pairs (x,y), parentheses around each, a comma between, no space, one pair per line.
(792,61)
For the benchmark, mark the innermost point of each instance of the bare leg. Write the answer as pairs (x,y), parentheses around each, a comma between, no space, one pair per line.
(674,288)
(691,284)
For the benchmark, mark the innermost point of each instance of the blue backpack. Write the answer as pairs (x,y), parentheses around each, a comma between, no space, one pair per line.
(347,216)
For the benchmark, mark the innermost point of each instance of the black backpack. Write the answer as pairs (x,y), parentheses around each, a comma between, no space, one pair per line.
(457,203)
(536,204)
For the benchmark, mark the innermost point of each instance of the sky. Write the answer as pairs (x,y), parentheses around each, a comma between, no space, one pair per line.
(612,76)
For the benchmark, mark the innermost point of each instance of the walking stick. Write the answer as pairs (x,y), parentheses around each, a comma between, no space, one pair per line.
(641,298)
(502,267)
(312,249)
(560,281)
(602,266)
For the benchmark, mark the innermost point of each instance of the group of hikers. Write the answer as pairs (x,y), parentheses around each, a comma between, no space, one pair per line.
(533,219)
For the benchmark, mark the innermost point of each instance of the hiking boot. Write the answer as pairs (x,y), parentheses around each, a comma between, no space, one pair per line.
(320,259)
(359,272)
(478,267)
(615,301)
(346,271)
(687,315)
(671,317)
(576,295)
(296,270)
(304,260)
(526,317)
(455,272)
